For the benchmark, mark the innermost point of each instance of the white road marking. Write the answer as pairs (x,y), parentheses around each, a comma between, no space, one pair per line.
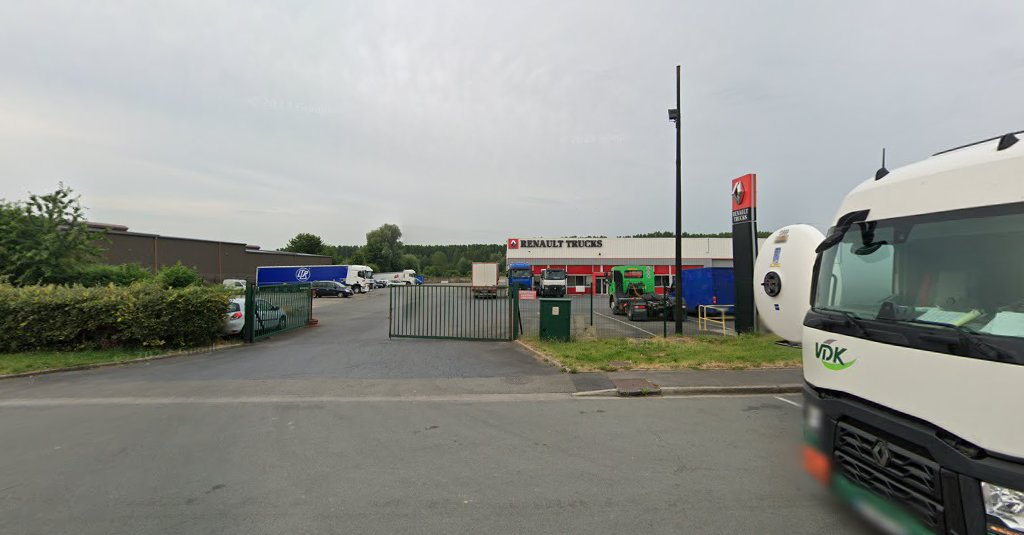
(626,324)
(791,402)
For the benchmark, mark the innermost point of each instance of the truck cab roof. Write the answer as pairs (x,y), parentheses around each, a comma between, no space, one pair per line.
(981,174)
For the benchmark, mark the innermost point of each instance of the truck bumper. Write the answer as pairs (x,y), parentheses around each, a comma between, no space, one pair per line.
(897,472)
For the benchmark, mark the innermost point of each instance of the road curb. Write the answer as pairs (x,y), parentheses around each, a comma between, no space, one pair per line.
(543,357)
(703,391)
(185,353)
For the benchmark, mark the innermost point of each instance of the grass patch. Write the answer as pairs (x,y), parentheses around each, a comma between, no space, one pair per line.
(45,360)
(701,352)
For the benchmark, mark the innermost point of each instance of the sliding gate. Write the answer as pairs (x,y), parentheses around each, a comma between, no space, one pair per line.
(452,311)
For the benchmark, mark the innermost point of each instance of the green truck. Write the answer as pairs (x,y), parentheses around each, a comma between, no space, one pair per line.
(632,293)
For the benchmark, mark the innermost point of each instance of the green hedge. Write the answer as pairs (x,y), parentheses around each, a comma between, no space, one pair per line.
(140,315)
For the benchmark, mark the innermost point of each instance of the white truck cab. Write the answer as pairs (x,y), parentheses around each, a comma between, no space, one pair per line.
(552,282)
(913,346)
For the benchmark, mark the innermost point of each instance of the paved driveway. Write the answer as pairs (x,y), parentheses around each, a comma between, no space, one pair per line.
(350,348)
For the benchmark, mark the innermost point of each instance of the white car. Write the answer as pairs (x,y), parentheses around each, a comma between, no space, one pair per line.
(235,317)
(269,316)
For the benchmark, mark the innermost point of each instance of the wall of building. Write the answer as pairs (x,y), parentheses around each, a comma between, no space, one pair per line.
(214,260)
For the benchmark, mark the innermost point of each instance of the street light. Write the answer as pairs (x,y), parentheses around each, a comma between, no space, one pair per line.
(673,115)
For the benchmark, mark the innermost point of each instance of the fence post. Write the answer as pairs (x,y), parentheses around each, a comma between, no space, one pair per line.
(250,315)
(591,300)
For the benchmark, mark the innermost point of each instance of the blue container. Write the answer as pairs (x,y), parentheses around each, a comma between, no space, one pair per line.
(266,275)
(709,286)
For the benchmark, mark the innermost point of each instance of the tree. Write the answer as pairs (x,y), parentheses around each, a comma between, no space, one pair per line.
(410,261)
(439,261)
(463,266)
(46,239)
(384,247)
(305,243)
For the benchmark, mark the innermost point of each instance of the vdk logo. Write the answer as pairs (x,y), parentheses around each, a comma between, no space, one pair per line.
(302,274)
(831,356)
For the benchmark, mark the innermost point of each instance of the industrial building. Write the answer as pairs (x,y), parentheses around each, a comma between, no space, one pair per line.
(588,260)
(214,260)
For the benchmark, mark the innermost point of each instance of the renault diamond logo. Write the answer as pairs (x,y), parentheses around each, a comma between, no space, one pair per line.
(513,243)
(880,452)
(737,193)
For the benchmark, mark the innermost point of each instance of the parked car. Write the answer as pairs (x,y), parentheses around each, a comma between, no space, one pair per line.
(269,316)
(331,288)
(380,283)
(235,317)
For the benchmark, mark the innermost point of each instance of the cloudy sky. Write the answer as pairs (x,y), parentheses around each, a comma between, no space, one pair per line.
(475,121)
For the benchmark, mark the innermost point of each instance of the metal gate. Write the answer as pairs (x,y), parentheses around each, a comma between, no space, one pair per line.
(452,311)
(275,309)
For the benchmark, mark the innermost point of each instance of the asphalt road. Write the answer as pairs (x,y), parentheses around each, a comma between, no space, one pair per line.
(206,465)
(335,429)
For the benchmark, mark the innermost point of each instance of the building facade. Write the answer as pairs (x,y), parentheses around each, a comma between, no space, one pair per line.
(214,260)
(588,260)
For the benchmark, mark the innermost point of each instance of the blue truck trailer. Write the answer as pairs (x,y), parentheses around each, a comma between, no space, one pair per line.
(520,274)
(709,286)
(294,274)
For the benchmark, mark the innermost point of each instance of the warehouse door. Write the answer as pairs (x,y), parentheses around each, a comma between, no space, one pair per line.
(453,311)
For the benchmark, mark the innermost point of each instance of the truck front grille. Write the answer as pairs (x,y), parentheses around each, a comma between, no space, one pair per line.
(890,471)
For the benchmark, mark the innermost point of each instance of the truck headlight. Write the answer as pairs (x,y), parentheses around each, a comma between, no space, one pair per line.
(1004,504)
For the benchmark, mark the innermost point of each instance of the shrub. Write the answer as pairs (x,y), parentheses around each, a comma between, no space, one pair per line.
(76,317)
(178,276)
(104,274)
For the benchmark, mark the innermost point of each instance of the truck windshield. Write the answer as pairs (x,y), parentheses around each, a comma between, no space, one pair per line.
(519,273)
(960,271)
(554,275)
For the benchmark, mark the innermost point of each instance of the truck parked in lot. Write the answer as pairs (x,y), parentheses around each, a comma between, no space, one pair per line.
(406,276)
(910,312)
(520,275)
(627,284)
(359,278)
(485,279)
(552,283)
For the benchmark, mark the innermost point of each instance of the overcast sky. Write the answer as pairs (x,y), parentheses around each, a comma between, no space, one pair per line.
(477,121)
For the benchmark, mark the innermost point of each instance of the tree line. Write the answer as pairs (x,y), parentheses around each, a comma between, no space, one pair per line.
(384,252)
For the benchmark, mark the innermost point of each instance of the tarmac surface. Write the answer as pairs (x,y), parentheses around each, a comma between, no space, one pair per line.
(336,429)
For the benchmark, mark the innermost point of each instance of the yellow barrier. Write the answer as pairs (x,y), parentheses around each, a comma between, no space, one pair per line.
(703,319)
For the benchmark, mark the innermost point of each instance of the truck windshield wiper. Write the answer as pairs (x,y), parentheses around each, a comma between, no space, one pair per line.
(851,319)
(972,341)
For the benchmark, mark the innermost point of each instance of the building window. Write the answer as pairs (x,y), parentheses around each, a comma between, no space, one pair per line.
(662,281)
(578,280)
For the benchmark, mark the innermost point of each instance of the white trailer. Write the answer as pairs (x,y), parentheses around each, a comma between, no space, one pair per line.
(406,276)
(912,326)
(485,279)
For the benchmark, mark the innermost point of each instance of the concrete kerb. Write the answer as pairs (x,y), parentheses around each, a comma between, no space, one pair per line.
(704,390)
(172,354)
(543,357)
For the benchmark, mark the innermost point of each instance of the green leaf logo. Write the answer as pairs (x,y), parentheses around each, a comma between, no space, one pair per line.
(832,357)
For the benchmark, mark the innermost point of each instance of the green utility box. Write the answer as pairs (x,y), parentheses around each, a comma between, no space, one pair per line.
(555,319)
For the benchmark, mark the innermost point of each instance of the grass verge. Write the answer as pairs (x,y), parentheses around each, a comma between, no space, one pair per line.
(49,360)
(702,352)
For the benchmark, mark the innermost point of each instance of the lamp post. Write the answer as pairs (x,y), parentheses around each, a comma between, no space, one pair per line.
(674,116)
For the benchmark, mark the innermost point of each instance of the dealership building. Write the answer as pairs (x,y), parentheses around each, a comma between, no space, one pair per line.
(588,260)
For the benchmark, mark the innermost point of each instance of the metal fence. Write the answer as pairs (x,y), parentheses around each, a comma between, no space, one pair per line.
(276,309)
(593,317)
(452,311)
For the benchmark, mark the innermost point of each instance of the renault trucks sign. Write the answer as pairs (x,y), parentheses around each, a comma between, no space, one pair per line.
(516,243)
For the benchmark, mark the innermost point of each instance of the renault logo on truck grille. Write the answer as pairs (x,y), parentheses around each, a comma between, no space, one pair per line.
(880,453)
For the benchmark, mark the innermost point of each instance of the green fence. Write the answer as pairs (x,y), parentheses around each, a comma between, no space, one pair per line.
(276,309)
(452,311)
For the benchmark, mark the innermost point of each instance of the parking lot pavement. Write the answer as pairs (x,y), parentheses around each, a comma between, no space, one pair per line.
(674,465)
(603,323)
(349,348)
